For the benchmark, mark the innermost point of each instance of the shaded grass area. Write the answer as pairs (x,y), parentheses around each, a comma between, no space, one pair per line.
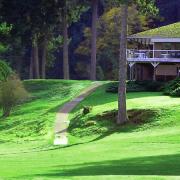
(149,150)
(105,123)
(154,165)
(35,118)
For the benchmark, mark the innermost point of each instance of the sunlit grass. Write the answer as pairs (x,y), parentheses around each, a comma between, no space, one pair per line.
(150,152)
(35,118)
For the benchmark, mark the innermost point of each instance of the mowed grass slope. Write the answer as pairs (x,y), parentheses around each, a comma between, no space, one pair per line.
(35,118)
(146,151)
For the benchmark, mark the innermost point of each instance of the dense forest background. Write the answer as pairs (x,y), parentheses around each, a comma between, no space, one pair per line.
(168,10)
(79,58)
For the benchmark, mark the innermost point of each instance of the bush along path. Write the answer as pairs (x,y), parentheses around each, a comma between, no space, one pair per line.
(62,122)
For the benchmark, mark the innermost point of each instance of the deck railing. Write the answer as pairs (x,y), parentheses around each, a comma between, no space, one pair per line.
(143,54)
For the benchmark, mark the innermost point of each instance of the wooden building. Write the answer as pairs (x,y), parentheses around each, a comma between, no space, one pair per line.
(155,54)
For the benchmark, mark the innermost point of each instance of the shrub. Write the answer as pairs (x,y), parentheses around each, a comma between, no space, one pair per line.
(86,110)
(90,123)
(176,92)
(152,86)
(173,88)
(112,87)
(12,92)
(136,86)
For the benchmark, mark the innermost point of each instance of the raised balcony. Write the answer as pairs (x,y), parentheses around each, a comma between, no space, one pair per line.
(166,56)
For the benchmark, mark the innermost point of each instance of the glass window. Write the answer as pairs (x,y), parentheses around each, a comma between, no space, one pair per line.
(167,46)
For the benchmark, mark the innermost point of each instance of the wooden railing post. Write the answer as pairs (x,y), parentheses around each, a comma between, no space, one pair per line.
(153,51)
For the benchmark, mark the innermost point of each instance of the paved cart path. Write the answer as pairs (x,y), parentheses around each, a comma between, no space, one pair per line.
(62,122)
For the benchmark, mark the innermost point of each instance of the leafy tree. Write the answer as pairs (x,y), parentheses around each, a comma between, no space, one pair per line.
(93,39)
(108,28)
(145,6)
(5,30)
(70,12)
(33,23)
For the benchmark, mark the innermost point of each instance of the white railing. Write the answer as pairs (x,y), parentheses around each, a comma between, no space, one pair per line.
(145,53)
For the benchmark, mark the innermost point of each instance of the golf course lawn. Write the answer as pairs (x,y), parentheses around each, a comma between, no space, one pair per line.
(145,151)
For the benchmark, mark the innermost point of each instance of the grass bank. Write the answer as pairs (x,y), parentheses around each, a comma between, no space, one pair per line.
(144,151)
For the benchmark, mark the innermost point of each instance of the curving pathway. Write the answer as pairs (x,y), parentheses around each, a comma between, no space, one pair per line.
(62,122)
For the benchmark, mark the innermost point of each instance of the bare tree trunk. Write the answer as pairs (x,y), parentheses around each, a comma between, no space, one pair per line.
(31,65)
(65,45)
(122,112)
(19,60)
(44,56)
(36,60)
(93,39)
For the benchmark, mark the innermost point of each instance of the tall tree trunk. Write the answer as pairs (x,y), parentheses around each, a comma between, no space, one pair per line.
(19,60)
(43,60)
(36,59)
(93,39)
(122,113)
(65,45)
(31,65)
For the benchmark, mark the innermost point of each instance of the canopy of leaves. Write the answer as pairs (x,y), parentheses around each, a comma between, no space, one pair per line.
(146,7)
(109,29)
(5,28)
(5,70)
(108,37)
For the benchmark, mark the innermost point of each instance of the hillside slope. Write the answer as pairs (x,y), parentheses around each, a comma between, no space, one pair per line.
(35,118)
(144,151)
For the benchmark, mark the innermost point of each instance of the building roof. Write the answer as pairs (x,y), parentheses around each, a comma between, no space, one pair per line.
(169,31)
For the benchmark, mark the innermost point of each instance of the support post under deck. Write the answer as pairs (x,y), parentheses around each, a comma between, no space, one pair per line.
(131,64)
(154,64)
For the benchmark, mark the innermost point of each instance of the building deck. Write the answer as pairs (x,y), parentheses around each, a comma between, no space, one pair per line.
(149,60)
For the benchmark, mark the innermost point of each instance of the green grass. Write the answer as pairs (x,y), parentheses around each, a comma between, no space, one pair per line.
(34,119)
(150,151)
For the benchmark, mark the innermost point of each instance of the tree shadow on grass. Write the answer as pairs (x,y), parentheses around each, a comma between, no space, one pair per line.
(164,165)
(105,124)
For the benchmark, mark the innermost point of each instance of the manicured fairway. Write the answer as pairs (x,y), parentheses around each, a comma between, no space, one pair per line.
(148,151)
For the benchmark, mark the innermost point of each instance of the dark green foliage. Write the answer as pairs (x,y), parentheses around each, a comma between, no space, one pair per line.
(176,92)
(112,87)
(137,86)
(152,86)
(86,110)
(100,73)
(5,70)
(133,86)
(90,123)
(173,88)
(12,92)
(5,30)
